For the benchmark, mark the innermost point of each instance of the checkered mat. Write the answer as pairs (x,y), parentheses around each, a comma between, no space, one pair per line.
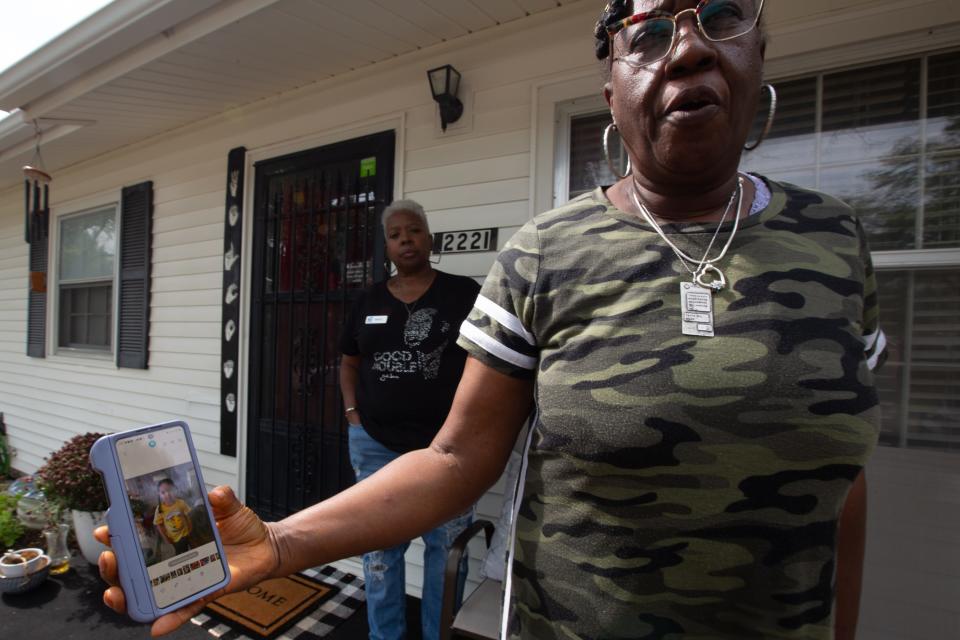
(315,624)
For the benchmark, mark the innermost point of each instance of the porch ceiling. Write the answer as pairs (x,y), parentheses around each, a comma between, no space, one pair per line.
(138,69)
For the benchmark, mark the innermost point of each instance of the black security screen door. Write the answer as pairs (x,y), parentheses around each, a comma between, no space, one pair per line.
(317,244)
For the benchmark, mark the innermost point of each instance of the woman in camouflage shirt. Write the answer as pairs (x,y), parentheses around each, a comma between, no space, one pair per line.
(698,345)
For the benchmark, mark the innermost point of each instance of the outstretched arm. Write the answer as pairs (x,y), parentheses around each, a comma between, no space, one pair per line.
(411,495)
(421,489)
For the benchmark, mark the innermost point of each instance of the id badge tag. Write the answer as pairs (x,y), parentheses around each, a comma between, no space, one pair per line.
(376,320)
(696,307)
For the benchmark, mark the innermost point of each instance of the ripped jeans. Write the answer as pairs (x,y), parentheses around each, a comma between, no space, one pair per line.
(384,571)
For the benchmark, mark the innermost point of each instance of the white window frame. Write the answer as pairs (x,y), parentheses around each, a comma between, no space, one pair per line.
(64,212)
(547,96)
(566,112)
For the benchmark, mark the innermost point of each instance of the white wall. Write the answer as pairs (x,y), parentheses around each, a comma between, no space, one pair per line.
(46,401)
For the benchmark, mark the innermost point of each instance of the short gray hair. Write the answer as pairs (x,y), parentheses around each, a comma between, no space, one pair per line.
(397,206)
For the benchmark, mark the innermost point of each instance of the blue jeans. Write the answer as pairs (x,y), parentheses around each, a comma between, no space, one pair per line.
(384,571)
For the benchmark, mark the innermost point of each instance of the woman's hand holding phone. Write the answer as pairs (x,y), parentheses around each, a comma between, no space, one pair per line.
(250,548)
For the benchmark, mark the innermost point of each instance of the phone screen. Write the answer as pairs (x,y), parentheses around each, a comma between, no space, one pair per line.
(166,499)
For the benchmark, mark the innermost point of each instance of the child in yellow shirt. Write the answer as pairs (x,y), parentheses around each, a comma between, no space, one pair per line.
(172,517)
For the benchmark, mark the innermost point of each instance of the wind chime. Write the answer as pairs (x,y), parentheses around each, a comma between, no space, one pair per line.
(36,190)
(36,196)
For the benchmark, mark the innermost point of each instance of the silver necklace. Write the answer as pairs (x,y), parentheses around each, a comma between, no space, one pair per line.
(410,307)
(699,270)
(696,297)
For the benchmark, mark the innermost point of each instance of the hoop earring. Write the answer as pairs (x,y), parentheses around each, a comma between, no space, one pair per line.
(606,153)
(770,114)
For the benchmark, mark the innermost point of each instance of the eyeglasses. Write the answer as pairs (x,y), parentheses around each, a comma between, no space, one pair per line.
(645,38)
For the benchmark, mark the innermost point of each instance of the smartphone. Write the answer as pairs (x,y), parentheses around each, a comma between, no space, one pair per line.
(160,519)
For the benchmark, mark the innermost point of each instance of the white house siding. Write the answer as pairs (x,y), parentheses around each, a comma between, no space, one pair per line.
(487,170)
(47,401)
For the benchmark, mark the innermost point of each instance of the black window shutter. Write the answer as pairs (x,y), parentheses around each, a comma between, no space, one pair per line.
(133,327)
(37,297)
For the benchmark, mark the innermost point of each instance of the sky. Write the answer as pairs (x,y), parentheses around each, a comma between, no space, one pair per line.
(28,25)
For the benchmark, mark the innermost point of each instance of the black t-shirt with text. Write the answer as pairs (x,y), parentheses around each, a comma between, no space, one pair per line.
(410,363)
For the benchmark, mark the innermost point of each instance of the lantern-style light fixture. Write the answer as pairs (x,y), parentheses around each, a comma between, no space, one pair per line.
(36,186)
(444,85)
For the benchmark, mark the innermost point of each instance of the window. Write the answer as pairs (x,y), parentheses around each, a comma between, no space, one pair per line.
(87,267)
(886,139)
(920,382)
(580,146)
(102,273)
(588,166)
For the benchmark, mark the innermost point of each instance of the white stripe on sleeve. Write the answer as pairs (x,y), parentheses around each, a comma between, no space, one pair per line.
(491,346)
(871,339)
(878,349)
(504,317)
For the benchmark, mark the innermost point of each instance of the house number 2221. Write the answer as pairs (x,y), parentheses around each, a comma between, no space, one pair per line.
(465,241)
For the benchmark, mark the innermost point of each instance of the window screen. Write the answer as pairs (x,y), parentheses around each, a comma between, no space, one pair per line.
(588,166)
(88,244)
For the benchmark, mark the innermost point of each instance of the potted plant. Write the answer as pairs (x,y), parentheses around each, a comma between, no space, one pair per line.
(10,527)
(68,479)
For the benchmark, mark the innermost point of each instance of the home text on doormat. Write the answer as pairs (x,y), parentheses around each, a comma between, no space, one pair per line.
(270,607)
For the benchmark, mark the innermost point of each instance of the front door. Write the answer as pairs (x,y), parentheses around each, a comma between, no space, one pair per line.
(317,244)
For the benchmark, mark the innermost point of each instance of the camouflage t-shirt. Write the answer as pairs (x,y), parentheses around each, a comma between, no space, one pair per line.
(684,487)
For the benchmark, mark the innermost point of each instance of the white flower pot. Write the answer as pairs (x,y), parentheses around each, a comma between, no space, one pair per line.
(84,522)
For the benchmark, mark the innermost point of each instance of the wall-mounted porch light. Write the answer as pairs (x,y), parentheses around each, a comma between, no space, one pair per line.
(444,84)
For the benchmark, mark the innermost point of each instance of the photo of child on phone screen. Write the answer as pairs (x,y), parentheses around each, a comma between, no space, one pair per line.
(172,517)
(169,512)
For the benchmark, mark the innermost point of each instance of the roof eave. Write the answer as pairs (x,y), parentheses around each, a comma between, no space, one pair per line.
(98,39)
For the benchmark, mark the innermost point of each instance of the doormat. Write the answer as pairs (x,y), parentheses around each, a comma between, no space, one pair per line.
(314,603)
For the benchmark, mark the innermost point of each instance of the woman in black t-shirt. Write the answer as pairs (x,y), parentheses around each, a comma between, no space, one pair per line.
(399,371)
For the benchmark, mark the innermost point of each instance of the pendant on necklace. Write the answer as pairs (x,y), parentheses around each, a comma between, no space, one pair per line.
(696,308)
(716,282)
